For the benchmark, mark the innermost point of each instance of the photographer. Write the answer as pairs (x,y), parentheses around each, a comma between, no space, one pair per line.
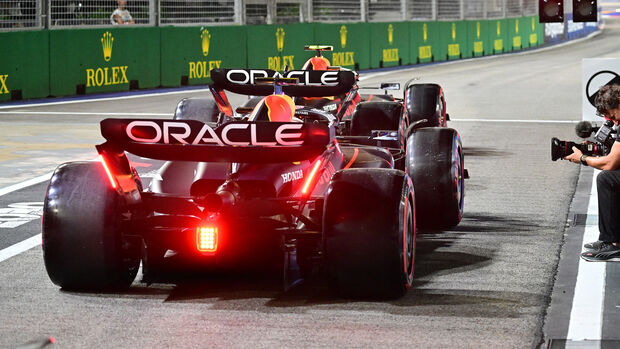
(607,104)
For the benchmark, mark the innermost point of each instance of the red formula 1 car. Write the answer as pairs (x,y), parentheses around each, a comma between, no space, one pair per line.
(236,186)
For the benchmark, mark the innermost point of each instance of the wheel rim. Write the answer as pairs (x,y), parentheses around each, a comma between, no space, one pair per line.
(409,244)
(458,176)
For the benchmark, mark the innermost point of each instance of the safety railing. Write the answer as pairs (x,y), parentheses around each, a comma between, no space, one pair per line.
(56,14)
(18,15)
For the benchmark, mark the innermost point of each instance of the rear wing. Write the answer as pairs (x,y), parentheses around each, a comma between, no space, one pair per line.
(310,83)
(190,140)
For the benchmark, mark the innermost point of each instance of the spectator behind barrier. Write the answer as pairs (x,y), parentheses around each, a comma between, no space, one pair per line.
(121,15)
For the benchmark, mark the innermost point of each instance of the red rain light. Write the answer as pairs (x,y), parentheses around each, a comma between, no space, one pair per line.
(107,170)
(311,177)
(206,239)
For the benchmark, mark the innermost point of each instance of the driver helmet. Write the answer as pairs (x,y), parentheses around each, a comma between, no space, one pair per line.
(316,63)
(276,108)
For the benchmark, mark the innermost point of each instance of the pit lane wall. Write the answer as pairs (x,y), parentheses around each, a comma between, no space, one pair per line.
(35,64)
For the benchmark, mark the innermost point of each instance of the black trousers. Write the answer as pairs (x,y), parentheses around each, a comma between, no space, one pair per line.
(608,188)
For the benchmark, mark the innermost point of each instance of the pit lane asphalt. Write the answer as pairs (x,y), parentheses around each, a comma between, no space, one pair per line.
(484,284)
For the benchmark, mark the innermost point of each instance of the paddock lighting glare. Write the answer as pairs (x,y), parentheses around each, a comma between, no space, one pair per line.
(206,239)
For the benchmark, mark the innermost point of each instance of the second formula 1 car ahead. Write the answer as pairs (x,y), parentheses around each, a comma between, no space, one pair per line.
(331,197)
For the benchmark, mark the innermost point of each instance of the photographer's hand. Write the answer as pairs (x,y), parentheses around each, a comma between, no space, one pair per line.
(575,156)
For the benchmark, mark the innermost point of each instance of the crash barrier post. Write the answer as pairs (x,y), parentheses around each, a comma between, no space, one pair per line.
(516,38)
(425,42)
(24,65)
(350,42)
(279,46)
(498,37)
(389,44)
(189,53)
(478,38)
(103,60)
(453,40)
(535,31)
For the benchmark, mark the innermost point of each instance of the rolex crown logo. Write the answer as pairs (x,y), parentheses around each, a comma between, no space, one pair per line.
(280,39)
(343,36)
(517,26)
(206,41)
(106,42)
(390,33)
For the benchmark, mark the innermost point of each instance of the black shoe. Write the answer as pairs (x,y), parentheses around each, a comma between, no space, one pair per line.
(606,252)
(593,246)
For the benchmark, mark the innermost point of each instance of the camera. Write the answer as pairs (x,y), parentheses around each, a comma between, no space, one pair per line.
(603,140)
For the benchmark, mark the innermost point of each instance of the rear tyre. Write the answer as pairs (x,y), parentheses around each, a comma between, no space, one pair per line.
(369,233)
(252,101)
(199,109)
(434,161)
(381,115)
(178,176)
(83,248)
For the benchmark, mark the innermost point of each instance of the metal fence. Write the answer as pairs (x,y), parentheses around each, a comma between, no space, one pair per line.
(55,14)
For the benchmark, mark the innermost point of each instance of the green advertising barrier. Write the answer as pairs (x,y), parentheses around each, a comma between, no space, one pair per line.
(389,44)
(453,40)
(103,60)
(425,42)
(189,53)
(350,42)
(24,65)
(37,64)
(517,34)
(478,38)
(278,46)
(535,31)
(498,36)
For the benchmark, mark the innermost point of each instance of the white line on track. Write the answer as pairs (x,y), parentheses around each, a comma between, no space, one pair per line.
(519,121)
(82,113)
(85,100)
(169,115)
(25,184)
(586,317)
(20,247)
(31,242)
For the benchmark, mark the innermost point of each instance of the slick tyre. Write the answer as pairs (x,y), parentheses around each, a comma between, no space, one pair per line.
(83,248)
(369,233)
(382,115)
(434,161)
(252,101)
(424,101)
(199,109)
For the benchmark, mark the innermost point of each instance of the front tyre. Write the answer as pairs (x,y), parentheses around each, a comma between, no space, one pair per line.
(197,108)
(83,248)
(425,102)
(369,233)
